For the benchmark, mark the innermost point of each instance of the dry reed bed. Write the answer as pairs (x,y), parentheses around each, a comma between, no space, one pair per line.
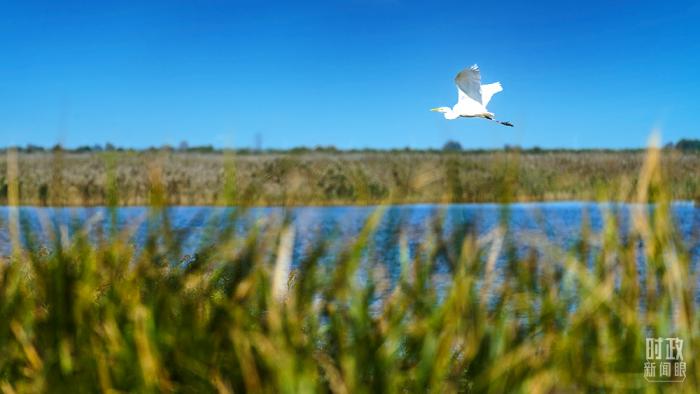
(341,178)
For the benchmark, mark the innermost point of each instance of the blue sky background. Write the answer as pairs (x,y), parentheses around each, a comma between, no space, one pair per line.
(352,73)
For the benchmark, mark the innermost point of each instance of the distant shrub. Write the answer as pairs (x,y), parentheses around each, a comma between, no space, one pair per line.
(326,149)
(299,149)
(688,145)
(33,148)
(83,148)
(201,149)
(452,146)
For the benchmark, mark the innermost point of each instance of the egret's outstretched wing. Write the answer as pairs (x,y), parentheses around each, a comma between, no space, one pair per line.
(487,91)
(469,82)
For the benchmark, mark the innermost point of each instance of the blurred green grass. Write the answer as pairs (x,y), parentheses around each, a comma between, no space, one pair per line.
(78,315)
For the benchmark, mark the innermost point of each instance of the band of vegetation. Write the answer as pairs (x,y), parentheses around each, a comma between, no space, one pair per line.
(322,177)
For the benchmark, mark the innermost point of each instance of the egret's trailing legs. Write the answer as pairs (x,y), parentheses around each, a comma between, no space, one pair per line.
(491,116)
(505,123)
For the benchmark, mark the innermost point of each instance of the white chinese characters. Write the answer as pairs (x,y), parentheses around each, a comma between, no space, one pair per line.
(664,360)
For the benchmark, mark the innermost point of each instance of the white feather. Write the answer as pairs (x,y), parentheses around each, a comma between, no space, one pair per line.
(487,91)
(472,96)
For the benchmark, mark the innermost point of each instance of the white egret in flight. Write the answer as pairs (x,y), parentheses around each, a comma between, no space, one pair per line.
(472,97)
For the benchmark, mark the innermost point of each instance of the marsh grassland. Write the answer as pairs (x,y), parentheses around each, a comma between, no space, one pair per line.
(468,313)
(80,179)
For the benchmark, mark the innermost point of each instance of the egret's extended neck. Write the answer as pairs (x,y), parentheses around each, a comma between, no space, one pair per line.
(450,114)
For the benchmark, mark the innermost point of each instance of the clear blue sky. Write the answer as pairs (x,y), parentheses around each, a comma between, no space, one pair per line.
(353,73)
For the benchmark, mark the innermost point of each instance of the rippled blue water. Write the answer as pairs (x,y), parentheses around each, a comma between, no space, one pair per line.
(557,223)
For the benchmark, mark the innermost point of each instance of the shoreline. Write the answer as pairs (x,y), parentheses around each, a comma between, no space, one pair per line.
(407,204)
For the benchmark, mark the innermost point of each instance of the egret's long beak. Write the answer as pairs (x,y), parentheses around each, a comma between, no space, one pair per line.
(435,109)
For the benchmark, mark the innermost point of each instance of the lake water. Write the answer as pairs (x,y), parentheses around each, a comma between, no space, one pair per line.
(557,223)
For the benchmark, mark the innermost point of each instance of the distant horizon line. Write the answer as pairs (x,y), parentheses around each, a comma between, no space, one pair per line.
(448,146)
